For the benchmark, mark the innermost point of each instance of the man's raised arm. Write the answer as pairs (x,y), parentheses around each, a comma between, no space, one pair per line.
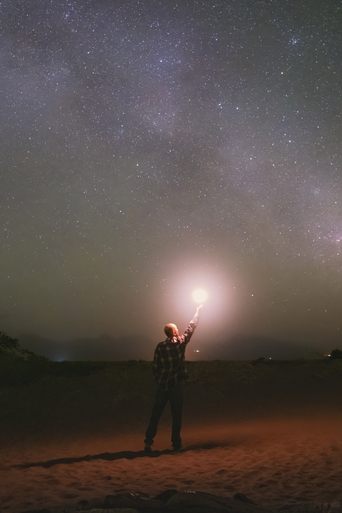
(195,318)
(192,325)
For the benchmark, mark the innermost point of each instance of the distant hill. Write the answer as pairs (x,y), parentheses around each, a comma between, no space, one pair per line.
(249,347)
(104,347)
(10,347)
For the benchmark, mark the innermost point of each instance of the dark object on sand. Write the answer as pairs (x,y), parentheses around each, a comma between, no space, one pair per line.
(243,498)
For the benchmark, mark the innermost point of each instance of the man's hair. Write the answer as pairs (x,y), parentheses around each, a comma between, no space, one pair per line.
(168,330)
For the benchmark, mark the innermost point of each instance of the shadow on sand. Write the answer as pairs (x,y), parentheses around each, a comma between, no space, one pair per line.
(110,456)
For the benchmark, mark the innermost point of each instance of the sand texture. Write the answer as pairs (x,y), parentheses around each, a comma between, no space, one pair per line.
(279,462)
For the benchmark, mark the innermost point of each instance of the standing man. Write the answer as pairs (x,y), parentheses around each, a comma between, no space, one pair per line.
(170,372)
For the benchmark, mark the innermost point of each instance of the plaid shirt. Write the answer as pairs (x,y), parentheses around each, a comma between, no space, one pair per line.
(168,363)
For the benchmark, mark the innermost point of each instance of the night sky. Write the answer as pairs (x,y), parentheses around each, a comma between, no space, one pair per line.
(148,147)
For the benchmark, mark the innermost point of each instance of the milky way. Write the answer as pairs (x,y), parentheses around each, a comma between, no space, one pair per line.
(139,138)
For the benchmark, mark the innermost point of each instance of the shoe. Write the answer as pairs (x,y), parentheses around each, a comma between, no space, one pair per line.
(148,448)
(177,448)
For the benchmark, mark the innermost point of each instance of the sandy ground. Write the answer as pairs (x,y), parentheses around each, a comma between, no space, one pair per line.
(274,462)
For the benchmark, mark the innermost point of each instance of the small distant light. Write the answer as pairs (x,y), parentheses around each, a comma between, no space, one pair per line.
(196,350)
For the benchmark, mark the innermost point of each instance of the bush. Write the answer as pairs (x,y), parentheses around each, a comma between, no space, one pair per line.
(336,353)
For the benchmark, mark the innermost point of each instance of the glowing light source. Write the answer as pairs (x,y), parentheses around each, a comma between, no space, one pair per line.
(200,296)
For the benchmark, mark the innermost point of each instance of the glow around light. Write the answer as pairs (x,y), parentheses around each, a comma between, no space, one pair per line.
(200,296)
(220,301)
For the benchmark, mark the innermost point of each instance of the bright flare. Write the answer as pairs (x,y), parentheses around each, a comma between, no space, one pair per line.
(200,296)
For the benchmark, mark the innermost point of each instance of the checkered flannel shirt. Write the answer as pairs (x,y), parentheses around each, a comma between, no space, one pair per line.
(168,363)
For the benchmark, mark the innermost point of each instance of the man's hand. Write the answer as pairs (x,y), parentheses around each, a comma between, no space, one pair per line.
(198,309)
(196,316)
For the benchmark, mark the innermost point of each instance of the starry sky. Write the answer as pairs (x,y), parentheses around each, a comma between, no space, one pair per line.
(148,147)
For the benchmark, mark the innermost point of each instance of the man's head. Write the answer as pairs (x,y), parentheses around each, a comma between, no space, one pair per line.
(171,330)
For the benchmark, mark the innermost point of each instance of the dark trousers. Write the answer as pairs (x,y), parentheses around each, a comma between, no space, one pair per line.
(175,396)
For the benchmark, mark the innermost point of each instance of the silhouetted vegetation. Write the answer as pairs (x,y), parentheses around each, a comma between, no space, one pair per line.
(10,347)
(336,353)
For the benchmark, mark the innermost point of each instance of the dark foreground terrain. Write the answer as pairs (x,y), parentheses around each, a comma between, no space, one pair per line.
(44,398)
(72,434)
